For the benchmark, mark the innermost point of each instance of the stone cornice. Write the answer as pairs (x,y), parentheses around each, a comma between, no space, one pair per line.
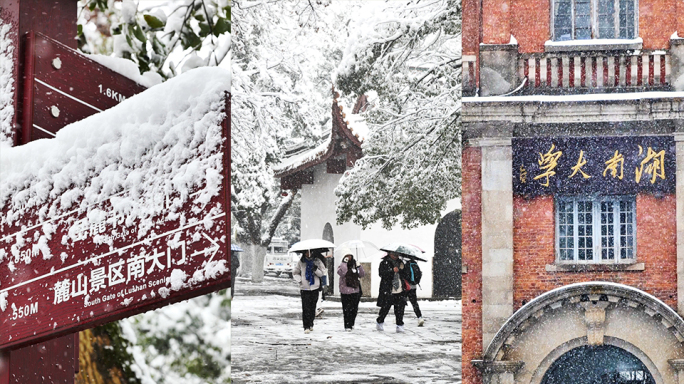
(574,109)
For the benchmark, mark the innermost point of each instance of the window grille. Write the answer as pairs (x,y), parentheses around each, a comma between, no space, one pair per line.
(594,19)
(596,230)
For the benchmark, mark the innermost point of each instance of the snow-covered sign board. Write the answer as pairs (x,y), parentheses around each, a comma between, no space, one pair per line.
(63,86)
(122,212)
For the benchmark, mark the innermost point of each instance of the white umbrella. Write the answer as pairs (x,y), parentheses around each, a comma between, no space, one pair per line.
(310,244)
(359,248)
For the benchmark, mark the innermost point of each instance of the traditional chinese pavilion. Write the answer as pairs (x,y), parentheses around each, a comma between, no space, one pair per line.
(573,199)
(316,170)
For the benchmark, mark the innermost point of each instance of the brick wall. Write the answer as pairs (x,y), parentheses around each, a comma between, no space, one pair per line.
(496,21)
(470,28)
(534,241)
(531,24)
(472,259)
(657,22)
(680,18)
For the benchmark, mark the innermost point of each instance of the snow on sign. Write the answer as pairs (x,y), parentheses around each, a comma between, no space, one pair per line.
(63,86)
(120,213)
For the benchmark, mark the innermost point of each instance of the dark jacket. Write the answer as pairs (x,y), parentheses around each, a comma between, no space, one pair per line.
(386,272)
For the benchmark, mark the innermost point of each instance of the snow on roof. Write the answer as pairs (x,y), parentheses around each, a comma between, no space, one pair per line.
(354,124)
(6,86)
(303,158)
(166,137)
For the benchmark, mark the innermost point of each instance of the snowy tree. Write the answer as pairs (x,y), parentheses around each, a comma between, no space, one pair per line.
(406,58)
(163,39)
(282,56)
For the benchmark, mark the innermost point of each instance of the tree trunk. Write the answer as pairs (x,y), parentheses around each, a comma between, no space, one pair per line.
(258,255)
(103,357)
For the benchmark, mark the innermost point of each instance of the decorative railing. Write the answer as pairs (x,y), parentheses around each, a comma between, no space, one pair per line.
(595,70)
(583,72)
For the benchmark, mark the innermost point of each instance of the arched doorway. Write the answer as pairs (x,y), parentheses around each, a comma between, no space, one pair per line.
(598,364)
(446,267)
(329,262)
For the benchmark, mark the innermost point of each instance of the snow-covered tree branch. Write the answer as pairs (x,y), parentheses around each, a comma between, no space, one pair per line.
(407,59)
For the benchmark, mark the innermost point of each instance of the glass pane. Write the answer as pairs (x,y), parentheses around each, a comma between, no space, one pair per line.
(562,20)
(584,229)
(626,234)
(566,242)
(627,19)
(606,19)
(607,231)
(582,19)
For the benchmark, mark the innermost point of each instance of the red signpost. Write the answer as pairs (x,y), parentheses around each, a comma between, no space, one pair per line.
(99,269)
(63,86)
(91,266)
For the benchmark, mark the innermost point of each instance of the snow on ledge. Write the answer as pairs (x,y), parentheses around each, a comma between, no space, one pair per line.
(593,44)
(167,136)
(577,98)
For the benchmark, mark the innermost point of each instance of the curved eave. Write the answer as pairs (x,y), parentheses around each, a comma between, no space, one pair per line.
(341,125)
(317,158)
(340,129)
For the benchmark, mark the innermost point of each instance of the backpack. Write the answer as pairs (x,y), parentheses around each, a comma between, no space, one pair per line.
(414,273)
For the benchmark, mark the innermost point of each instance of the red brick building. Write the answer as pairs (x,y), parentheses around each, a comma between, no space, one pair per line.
(573,191)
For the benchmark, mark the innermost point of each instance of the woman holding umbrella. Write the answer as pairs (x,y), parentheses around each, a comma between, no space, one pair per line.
(391,291)
(394,282)
(350,289)
(307,273)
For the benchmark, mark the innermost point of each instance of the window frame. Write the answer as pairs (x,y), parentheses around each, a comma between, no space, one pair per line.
(594,19)
(597,257)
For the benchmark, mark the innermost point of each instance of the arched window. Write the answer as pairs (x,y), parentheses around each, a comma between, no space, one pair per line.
(598,364)
(594,19)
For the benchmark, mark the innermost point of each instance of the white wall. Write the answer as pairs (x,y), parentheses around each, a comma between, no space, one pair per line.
(318,208)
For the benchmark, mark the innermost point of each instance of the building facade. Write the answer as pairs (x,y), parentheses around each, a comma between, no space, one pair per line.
(573,193)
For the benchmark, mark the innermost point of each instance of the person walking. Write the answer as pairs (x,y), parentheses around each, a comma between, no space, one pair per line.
(234,265)
(350,289)
(319,253)
(392,291)
(414,275)
(307,273)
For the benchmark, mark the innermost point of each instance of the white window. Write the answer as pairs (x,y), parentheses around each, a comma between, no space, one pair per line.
(594,19)
(596,230)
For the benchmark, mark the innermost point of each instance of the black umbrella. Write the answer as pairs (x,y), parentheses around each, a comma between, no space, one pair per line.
(404,250)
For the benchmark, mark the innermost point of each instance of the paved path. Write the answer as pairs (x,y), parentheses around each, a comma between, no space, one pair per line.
(269,346)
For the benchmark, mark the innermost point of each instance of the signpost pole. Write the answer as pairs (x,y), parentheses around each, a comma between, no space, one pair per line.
(4,367)
(26,16)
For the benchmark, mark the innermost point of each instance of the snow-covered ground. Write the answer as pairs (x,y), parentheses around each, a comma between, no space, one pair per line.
(269,345)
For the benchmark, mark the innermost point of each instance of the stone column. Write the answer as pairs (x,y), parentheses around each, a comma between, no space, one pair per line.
(497,237)
(679,142)
(498,69)
(677,63)
(498,372)
(678,366)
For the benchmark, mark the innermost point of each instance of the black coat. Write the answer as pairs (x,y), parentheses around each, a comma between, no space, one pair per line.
(386,272)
